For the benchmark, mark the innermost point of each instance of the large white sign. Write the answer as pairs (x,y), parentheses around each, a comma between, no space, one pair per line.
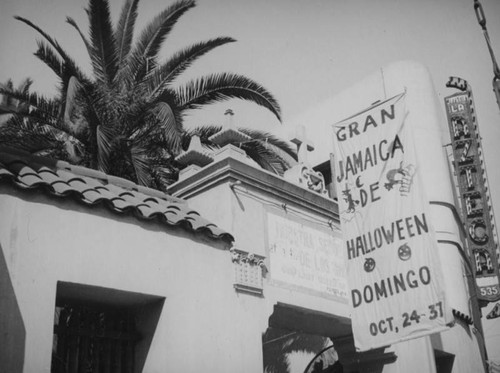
(307,258)
(395,284)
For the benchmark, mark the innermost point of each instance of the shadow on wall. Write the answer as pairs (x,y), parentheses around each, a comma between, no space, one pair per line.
(12,328)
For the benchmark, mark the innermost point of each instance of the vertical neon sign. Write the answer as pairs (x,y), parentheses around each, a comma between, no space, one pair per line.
(473,188)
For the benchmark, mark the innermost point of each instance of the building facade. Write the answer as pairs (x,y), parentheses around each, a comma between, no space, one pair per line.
(101,274)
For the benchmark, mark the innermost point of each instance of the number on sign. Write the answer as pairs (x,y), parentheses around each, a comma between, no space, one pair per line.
(407,318)
(489,290)
(415,317)
(435,311)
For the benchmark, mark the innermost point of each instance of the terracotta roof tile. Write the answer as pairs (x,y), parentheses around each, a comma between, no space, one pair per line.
(48,175)
(91,196)
(61,187)
(94,187)
(77,183)
(30,179)
(4,172)
(105,192)
(151,201)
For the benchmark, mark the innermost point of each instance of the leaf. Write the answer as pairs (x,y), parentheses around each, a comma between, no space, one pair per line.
(25,85)
(125,30)
(266,150)
(40,139)
(221,87)
(70,64)
(140,163)
(41,108)
(7,101)
(30,142)
(179,62)
(162,176)
(279,343)
(10,105)
(72,22)
(103,56)
(47,55)
(265,157)
(169,126)
(143,57)
(283,148)
(104,139)
(204,133)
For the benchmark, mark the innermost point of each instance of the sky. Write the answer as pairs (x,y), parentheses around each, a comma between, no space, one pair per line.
(303,51)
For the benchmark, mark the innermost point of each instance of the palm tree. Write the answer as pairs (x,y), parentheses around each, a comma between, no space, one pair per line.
(279,343)
(126,119)
(27,129)
(9,104)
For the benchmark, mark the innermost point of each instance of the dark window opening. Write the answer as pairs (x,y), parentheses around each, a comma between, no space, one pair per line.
(444,361)
(93,339)
(102,330)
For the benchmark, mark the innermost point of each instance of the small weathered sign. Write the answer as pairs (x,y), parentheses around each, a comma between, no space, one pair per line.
(307,258)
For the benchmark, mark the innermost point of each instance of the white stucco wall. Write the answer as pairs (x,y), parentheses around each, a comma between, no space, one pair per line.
(204,326)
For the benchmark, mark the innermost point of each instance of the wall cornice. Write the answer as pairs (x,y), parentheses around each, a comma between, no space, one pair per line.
(249,179)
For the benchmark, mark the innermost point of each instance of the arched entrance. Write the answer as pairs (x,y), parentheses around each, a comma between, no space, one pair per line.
(299,340)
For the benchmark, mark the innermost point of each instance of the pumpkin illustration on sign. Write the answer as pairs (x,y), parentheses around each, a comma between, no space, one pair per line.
(369,264)
(404,252)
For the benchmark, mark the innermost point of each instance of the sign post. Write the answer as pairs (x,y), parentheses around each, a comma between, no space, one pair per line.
(396,287)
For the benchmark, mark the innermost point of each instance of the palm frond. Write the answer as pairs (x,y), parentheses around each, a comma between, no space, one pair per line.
(266,150)
(73,23)
(143,56)
(279,343)
(104,137)
(140,162)
(9,84)
(47,55)
(30,142)
(90,111)
(125,30)
(70,64)
(203,132)
(41,107)
(283,148)
(222,87)
(6,101)
(29,115)
(166,122)
(265,157)
(161,177)
(102,39)
(25,85)
(179,62)
(28,136)
(10,104)
(159,128)
(48,131)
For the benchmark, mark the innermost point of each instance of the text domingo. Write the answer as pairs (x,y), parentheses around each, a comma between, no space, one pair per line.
(391,286)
